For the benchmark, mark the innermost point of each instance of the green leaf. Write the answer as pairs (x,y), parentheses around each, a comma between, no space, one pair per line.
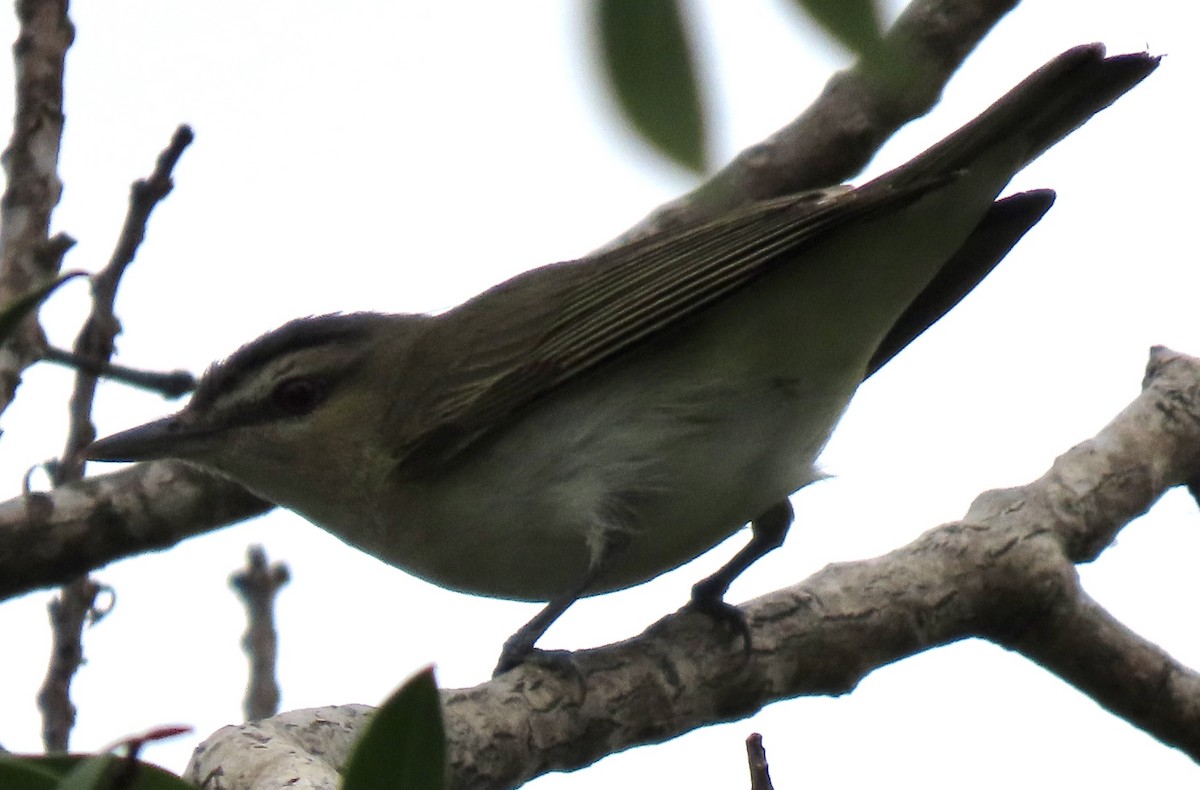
(854,23)
(16,310)
(84,772)
(17,773)
(91,773)
(404,745)
(649,62)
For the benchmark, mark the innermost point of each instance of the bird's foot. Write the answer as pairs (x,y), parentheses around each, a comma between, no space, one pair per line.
(725,614)
(517,648)
(561,662)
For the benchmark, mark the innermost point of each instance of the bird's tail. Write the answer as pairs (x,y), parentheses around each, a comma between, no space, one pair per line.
(1043,109)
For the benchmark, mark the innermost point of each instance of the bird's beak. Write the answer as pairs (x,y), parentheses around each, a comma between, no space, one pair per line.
(159,439)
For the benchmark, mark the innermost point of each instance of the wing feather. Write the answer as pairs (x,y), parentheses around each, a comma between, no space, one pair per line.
(549,327)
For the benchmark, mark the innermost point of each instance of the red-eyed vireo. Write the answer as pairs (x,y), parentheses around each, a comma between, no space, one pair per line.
(588,425)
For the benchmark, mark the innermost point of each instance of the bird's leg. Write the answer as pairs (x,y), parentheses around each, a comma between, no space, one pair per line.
(519,646)
(767,533)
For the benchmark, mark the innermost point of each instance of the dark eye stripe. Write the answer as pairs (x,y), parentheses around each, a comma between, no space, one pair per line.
(298,335)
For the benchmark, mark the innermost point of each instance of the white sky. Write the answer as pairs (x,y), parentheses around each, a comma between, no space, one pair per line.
(403,156)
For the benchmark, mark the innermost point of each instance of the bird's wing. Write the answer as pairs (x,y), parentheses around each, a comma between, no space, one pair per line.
(548,326)
(573,317)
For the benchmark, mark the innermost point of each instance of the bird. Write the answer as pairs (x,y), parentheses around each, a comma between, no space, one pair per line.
(591,424)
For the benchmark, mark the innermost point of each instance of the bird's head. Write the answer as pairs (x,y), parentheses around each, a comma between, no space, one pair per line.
(289,414)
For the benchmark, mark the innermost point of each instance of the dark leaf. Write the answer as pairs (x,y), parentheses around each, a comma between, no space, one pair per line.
(649,61)
(854,23)
(16,310)
(84,772)
(18,773)
(404,746)
(91,773)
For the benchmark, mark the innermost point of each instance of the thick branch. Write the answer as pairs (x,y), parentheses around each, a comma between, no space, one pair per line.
(1006,573)
(1127,674)
(28,257)
(50,538)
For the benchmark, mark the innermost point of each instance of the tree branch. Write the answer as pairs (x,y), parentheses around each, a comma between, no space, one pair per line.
(1004,573)
(95,340)
(50,538)
(1125,673)
(68,612)
(74,608)
(28,257)
(756,758)
(257,585)
(172,384)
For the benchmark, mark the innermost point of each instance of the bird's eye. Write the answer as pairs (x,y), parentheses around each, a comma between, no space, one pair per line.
(296,396)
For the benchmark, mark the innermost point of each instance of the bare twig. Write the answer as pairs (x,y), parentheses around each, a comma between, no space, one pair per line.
(257,586)
(95,340)
(756,756)
(173,384)
(95,343)
(69,612)
(28,256)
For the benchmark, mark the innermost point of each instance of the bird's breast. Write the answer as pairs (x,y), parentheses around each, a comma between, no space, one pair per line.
(673,460)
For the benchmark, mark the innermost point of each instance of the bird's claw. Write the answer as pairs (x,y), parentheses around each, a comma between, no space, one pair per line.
(561,662)
(725,614)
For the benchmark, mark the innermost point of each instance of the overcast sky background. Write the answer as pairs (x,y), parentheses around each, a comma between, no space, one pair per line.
(403,156)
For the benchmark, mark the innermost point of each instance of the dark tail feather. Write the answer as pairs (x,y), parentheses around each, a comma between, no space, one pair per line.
(1044,108)
(999,231)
